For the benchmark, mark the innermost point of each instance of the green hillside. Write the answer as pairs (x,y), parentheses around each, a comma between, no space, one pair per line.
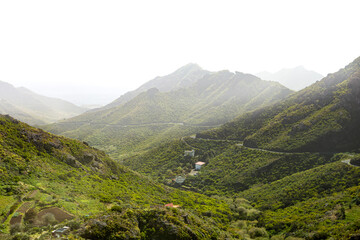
(47,179)
(33,108)
(285,186)
(181,78)
(154,117)
(321,118)
(295,160)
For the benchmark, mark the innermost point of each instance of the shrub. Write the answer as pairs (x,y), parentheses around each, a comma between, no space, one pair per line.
(49,218)
(278,237)
(74,225)
(30,215)
(239,224)
(319,236)
(258,232)
(253,214)
(355,161)
(116,209)
(21,236)
(15,228)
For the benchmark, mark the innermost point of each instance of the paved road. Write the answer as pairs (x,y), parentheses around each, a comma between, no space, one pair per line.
(346,161)
(242,145)
(137,125)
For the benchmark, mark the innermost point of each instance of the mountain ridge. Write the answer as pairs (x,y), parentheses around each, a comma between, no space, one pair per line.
(34,108)
(182,77)
(295,78)
(322,116)
(211,100)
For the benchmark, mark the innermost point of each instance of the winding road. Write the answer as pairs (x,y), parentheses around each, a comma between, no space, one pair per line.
(346,161)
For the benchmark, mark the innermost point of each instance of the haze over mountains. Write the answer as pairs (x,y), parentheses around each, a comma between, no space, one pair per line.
(190,99)
(34,108)
(293,154)
(294,78)
(181,78)
(322,117)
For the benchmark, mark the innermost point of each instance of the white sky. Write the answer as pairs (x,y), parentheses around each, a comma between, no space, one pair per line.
(58,47)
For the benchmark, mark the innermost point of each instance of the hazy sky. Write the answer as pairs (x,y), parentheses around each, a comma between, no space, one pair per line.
(61,47)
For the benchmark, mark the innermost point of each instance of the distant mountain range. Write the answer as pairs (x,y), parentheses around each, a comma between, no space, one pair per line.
(294,78)
(323,117)
(33,108)
(285,167)
(181,78)
(180,103)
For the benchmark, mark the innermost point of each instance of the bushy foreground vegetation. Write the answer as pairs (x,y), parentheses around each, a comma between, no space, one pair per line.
(47,179)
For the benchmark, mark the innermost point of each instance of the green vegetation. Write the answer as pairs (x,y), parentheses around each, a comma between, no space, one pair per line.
(154,117)
(282,185)
(279,172)
(168,160)
(316,182)
(320,118)
(335,215)
(238,168)
(33,108)
(229,168)
(46,179)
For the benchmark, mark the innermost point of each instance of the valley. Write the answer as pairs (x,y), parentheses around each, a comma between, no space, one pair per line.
(213,155)
(206,100)
(179,120)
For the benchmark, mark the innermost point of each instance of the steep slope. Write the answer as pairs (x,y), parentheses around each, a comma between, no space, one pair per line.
(181,78)
(154,116)
(34,108)
(41,173)
(7,108)
(305,195)
(294,78)
(322,118)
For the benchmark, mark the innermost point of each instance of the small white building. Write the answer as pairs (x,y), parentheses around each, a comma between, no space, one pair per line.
(60,232)
(198,165)
(190,153)
(180,179)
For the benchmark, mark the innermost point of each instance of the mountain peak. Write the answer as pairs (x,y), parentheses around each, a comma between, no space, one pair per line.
(181,78)
(295,78)
(5,84)
(189,68)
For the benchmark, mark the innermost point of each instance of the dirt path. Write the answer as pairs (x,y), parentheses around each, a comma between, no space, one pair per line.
(26,206)
(183,140)
(32,194)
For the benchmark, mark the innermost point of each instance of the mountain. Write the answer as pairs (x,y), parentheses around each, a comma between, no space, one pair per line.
(34,108)
(153,116)
(323,118)
(181,78)
(294,78)
(48,180)
(296,160)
